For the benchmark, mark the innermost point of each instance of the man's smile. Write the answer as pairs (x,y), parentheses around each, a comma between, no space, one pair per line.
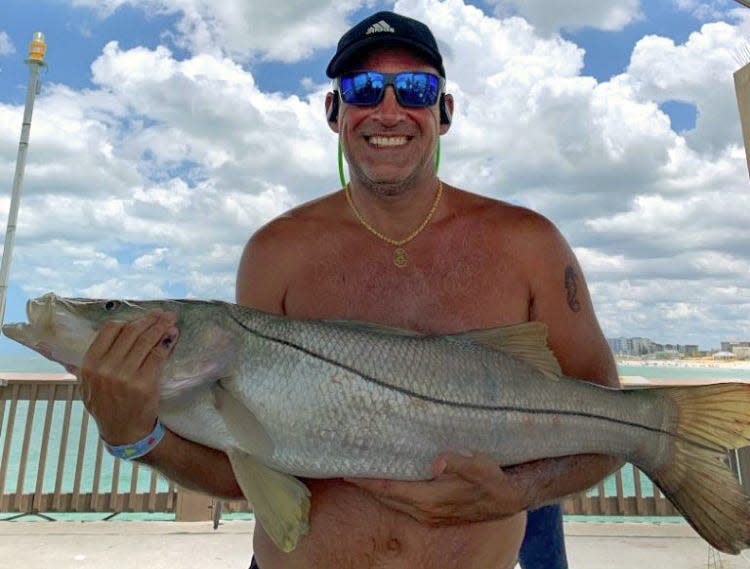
(387,141)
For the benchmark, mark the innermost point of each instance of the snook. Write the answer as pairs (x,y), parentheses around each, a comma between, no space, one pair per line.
(320,399)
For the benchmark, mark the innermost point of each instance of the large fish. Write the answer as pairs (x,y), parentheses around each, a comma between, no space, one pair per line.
(287,398)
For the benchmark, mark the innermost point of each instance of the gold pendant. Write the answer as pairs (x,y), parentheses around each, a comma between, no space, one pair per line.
(400,258)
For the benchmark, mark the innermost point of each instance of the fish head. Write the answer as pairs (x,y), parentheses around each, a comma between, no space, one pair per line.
(62,329)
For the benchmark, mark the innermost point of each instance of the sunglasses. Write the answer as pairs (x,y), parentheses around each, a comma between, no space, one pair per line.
(416,89)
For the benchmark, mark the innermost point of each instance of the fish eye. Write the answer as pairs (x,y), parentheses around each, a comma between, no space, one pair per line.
(111,305)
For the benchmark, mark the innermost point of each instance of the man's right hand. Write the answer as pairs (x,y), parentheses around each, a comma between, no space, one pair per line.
(119,375)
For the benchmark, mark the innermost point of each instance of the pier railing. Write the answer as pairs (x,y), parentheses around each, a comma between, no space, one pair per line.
(53,461)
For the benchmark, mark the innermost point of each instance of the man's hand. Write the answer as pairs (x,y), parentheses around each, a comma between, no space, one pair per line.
(119,375)
(464,489)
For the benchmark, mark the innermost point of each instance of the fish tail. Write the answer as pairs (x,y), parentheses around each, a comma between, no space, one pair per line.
(711,420)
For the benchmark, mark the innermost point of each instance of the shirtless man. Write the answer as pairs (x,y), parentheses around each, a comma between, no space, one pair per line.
(401,248)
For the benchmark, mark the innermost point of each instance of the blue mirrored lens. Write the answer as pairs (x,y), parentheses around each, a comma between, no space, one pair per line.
(413,88)
(364,88)
(416,89)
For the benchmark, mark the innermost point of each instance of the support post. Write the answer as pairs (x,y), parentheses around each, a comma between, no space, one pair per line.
(742,90)
(35,61)
(193,506)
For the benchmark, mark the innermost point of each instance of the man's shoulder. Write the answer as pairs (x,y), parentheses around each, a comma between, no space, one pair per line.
(299,223)
(505,217)
(277,252)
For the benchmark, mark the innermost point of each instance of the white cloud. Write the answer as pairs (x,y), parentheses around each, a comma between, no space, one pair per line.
(699,72)
(280,31)
(554,15)
(706,9)
(6,45)
(151,260)
(208,112)
(652,307)
(172,158)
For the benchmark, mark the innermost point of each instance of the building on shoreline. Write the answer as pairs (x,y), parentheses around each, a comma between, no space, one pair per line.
(740,349)
(638,346)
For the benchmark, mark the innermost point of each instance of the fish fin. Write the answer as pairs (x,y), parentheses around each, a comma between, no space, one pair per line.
(242,424)
(183,385)
(526,341)
(197,369)
(711,420)
(374,328)
(281,502)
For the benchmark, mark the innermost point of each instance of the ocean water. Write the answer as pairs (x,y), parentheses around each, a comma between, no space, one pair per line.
(687,373)
(28,361)
(27,481)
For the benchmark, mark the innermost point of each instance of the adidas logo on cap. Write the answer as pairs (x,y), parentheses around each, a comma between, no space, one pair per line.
(381,26)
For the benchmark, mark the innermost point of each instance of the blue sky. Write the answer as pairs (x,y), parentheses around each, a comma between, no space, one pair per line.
(167,131)
(78,34)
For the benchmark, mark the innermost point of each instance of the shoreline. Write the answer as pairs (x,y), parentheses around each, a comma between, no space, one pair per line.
(701,363)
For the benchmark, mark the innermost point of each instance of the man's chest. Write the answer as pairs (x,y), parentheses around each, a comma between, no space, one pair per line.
(437,292)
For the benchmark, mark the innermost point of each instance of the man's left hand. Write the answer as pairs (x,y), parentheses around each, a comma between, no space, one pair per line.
(465,489)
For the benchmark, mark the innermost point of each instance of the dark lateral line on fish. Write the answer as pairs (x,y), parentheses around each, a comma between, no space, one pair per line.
(474,406)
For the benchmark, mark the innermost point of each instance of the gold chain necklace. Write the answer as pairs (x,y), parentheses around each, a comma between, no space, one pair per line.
(400,258)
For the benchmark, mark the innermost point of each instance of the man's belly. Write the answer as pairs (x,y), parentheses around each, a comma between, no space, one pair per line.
(349,529)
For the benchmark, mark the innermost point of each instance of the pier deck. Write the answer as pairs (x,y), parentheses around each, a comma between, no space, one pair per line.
(195,545)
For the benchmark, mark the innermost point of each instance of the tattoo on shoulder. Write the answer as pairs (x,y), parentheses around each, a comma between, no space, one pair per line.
(571,287)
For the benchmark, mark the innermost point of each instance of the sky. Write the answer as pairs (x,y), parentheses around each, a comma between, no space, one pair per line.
(167,131)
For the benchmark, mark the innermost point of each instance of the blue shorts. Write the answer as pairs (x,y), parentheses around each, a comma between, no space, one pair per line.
(543,545)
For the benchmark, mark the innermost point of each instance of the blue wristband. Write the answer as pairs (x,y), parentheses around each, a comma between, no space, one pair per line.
(139,448)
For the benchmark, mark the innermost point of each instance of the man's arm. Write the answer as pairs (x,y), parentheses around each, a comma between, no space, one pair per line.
(194,466)
(266,266)
(561,299)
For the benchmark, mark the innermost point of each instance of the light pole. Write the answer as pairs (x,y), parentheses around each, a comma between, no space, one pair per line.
(35,61)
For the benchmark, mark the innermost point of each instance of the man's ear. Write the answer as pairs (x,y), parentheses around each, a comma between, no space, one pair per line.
(332,110)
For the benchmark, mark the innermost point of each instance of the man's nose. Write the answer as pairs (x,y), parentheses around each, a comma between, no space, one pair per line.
(389,111)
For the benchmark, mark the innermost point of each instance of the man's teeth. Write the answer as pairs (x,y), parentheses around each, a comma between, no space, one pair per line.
(388,140)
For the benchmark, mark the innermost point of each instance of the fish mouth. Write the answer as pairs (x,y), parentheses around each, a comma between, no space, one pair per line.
(55,329)
(46,314)
(39,313)
(38,316)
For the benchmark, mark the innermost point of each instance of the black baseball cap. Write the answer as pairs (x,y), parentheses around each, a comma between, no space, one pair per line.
(383,29)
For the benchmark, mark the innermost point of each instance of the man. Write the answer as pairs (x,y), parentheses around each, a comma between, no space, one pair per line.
(399,247)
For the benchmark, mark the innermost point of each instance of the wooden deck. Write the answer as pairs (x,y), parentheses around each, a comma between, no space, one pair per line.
(166,545)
